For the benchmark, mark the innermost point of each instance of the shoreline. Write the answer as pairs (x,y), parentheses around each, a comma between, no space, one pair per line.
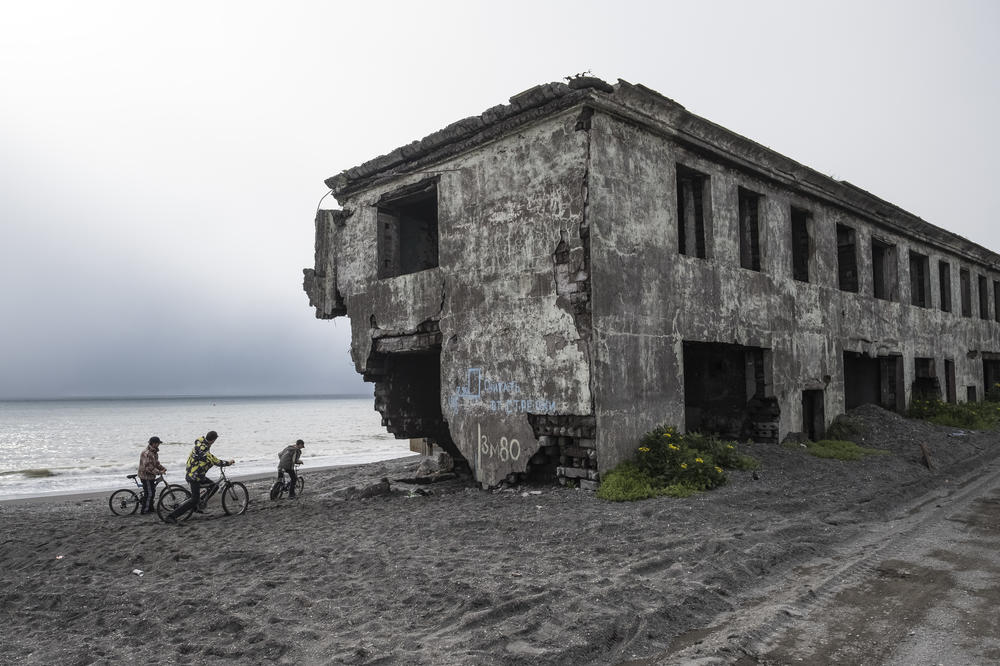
(89,495)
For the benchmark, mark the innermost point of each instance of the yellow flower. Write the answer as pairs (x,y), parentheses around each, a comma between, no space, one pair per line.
(719,470)
(669,435)
(644,449)
(674,448)
(684,466)
(698,460)
(730,446)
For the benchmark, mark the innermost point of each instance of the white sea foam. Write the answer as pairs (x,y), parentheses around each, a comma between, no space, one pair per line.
(93,444)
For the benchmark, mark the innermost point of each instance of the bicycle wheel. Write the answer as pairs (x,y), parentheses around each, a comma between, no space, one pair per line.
(123,502)
(277,489)
(235,499)
(299,485)
(171,498)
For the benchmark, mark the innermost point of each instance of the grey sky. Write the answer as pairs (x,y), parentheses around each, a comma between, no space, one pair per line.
(161,162)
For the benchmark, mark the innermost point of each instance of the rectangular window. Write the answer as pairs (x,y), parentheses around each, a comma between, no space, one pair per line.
(920,280)
(408,230)
(800,244)
(984,299)
(847,258)
(965,284)
(944,285)
(884,270)
(749,229)
(996,300)
(692,208)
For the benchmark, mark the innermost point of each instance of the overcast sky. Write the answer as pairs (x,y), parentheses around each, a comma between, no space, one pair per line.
(161,162)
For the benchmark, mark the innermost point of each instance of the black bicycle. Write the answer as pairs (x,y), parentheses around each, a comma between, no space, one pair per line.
(283,485)
(235,498)
(125,502)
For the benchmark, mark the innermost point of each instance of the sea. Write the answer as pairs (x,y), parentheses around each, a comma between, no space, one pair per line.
(66,446)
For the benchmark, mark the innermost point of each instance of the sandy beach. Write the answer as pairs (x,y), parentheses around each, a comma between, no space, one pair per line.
(526,575)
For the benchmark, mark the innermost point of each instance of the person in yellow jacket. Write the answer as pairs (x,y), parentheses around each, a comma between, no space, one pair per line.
(198,463)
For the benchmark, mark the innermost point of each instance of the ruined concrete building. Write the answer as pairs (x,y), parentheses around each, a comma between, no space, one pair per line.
(535,287)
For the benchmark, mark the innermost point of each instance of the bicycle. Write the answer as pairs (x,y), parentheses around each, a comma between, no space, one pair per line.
(235,498)
(125,501)
(282,486)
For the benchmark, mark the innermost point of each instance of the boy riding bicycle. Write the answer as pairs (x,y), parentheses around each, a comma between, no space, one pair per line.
(287,460)
(198,464)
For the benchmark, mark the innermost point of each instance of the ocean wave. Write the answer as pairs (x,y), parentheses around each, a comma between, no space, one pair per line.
(30,473)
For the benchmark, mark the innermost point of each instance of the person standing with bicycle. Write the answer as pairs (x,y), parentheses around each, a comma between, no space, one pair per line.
(287,460)
(198,463)
(149,469)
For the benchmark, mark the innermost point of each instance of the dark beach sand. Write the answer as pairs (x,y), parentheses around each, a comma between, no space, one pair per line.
(532,575)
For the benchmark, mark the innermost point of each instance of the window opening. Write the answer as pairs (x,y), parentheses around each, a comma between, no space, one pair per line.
(408,231)
(692,207)
(749,229)
(944,285)
(847,258)
(873,381)
(984,298)
(996,300)
(965,282)
(800,244)
(883,270)
(920,280)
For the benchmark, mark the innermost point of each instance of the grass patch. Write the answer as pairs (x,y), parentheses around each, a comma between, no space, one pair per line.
(967,415)
(839,449)
(668,463)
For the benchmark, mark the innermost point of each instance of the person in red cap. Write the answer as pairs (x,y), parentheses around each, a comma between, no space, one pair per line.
(149,469)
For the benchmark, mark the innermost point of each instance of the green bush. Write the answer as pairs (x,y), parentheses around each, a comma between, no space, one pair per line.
(673,464)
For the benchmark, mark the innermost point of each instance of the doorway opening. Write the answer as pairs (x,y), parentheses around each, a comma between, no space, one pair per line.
(727,391)
(873,381)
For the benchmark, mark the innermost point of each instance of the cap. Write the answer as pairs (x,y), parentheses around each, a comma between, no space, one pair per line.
(212,436)
(154,440)
(300,443)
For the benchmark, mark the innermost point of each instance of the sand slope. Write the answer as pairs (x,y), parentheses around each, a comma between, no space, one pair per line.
(527,576)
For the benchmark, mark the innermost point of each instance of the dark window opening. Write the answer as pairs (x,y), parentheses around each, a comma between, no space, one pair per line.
(800,244)
(875,381)
(944,285)
(951,393)
(813,415)
(996,300)
(991,376)
(965,283)
(726,391)
(926,385)
(847,259)
(883,270)
(920,280)
(408,231)
(970,393)
(984,298)
(749,229)
(692,207)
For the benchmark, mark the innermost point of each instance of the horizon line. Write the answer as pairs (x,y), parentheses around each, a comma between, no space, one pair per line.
(193,396)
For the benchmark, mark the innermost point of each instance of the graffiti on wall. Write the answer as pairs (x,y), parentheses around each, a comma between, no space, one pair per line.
(497,395)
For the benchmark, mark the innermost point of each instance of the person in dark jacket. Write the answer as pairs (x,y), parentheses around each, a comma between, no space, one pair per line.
(287,460)
(149,469)
(198,463)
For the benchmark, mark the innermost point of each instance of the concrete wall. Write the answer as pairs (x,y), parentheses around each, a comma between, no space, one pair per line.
(509,344)
(648,299)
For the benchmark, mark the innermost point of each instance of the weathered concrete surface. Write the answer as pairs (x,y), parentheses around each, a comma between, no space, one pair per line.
(558,313)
